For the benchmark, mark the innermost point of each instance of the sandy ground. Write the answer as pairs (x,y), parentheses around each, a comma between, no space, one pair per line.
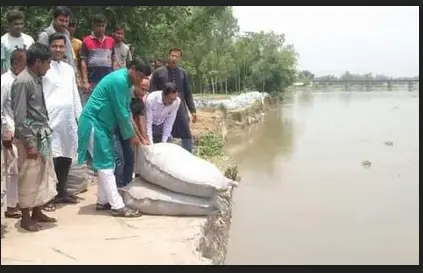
(85,236)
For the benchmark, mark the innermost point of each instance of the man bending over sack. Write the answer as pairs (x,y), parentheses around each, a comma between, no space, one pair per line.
(124,168)
(106,109)
(161,109)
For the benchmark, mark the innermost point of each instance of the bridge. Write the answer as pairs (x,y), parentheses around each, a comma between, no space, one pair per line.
(369,84)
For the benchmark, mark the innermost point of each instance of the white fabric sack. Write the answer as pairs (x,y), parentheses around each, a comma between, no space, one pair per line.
(150,199)
(77,179)
(171,167)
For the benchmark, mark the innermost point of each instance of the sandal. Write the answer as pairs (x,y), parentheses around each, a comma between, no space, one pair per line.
(103,207)
(66,200)
(126,212)
(14,213)
(49,207)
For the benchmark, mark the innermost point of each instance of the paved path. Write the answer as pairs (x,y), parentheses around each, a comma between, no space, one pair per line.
(85,236)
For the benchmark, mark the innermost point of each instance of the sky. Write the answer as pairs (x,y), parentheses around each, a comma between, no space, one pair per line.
(332,40)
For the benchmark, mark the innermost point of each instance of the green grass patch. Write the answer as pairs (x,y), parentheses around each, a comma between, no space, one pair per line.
(209,145)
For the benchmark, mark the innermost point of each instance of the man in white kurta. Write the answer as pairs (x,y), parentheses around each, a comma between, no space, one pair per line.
(64,108)
(17,64)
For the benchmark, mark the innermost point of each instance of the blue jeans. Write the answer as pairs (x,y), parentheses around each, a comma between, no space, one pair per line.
(187,144)
(124,168)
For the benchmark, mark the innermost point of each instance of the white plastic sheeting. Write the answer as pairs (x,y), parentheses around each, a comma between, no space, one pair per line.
(234,102)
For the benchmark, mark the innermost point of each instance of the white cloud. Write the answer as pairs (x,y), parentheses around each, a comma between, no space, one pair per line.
(331,40)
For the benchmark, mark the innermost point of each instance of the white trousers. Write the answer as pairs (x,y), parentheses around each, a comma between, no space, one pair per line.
(11,164)
(107,191)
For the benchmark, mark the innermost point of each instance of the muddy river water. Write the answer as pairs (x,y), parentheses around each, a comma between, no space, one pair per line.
(329,178)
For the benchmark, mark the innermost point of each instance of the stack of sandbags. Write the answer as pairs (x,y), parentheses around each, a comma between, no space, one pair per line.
(174,182)
(77,178)
(151,199)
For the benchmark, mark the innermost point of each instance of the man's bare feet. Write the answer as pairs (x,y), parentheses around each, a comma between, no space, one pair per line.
(30,225)
(42,218)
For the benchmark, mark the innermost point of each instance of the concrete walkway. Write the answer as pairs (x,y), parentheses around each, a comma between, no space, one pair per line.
(85,236)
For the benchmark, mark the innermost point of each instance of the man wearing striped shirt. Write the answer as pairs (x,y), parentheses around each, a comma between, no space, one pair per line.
(97,56)
(161,109)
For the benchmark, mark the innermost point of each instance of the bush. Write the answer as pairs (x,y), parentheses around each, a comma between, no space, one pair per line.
(209,145)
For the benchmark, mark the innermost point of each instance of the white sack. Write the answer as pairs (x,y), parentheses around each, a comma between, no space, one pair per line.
(77,179)
(150,199)
(171,167)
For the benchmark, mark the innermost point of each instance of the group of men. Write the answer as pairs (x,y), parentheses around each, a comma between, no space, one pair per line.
(89,100)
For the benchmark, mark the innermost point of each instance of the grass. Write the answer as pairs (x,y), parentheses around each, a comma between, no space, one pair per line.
(209,145)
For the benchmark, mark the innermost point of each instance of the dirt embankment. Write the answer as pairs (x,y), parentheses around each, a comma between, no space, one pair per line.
(215,233)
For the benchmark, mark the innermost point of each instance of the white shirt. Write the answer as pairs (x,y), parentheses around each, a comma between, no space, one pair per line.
(10,43)
(64,108)
(157,113)
(7,80)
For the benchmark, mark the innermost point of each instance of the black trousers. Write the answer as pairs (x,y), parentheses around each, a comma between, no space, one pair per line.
(61,167)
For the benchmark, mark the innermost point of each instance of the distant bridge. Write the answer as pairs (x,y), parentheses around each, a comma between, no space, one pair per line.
(369,84)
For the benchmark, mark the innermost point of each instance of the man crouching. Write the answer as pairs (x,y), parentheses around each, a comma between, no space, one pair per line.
(36,180)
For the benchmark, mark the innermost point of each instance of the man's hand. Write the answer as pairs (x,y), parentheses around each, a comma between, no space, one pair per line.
(85,87)
(7,139)
(194,118)
(32,153)
(135,141)
(145,142)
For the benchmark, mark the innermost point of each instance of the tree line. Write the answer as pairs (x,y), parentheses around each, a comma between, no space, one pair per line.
(217,56)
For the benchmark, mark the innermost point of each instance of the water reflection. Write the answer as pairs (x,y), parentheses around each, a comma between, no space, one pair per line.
(268,142)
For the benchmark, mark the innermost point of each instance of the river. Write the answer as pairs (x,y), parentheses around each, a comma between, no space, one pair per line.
(306,197)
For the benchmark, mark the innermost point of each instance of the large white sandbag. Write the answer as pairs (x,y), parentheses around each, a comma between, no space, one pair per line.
(151,199)
(77,179)
(171,167)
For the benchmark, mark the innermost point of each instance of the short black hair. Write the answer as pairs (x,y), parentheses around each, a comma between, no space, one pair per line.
(15,54)
(170,88)
(61,11)
(15,15)
(175,49)
(119,27)
(37,51)
(140,66)
(56,36)
(99,19)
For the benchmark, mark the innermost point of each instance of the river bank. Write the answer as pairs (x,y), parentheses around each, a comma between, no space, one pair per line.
(85,236)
